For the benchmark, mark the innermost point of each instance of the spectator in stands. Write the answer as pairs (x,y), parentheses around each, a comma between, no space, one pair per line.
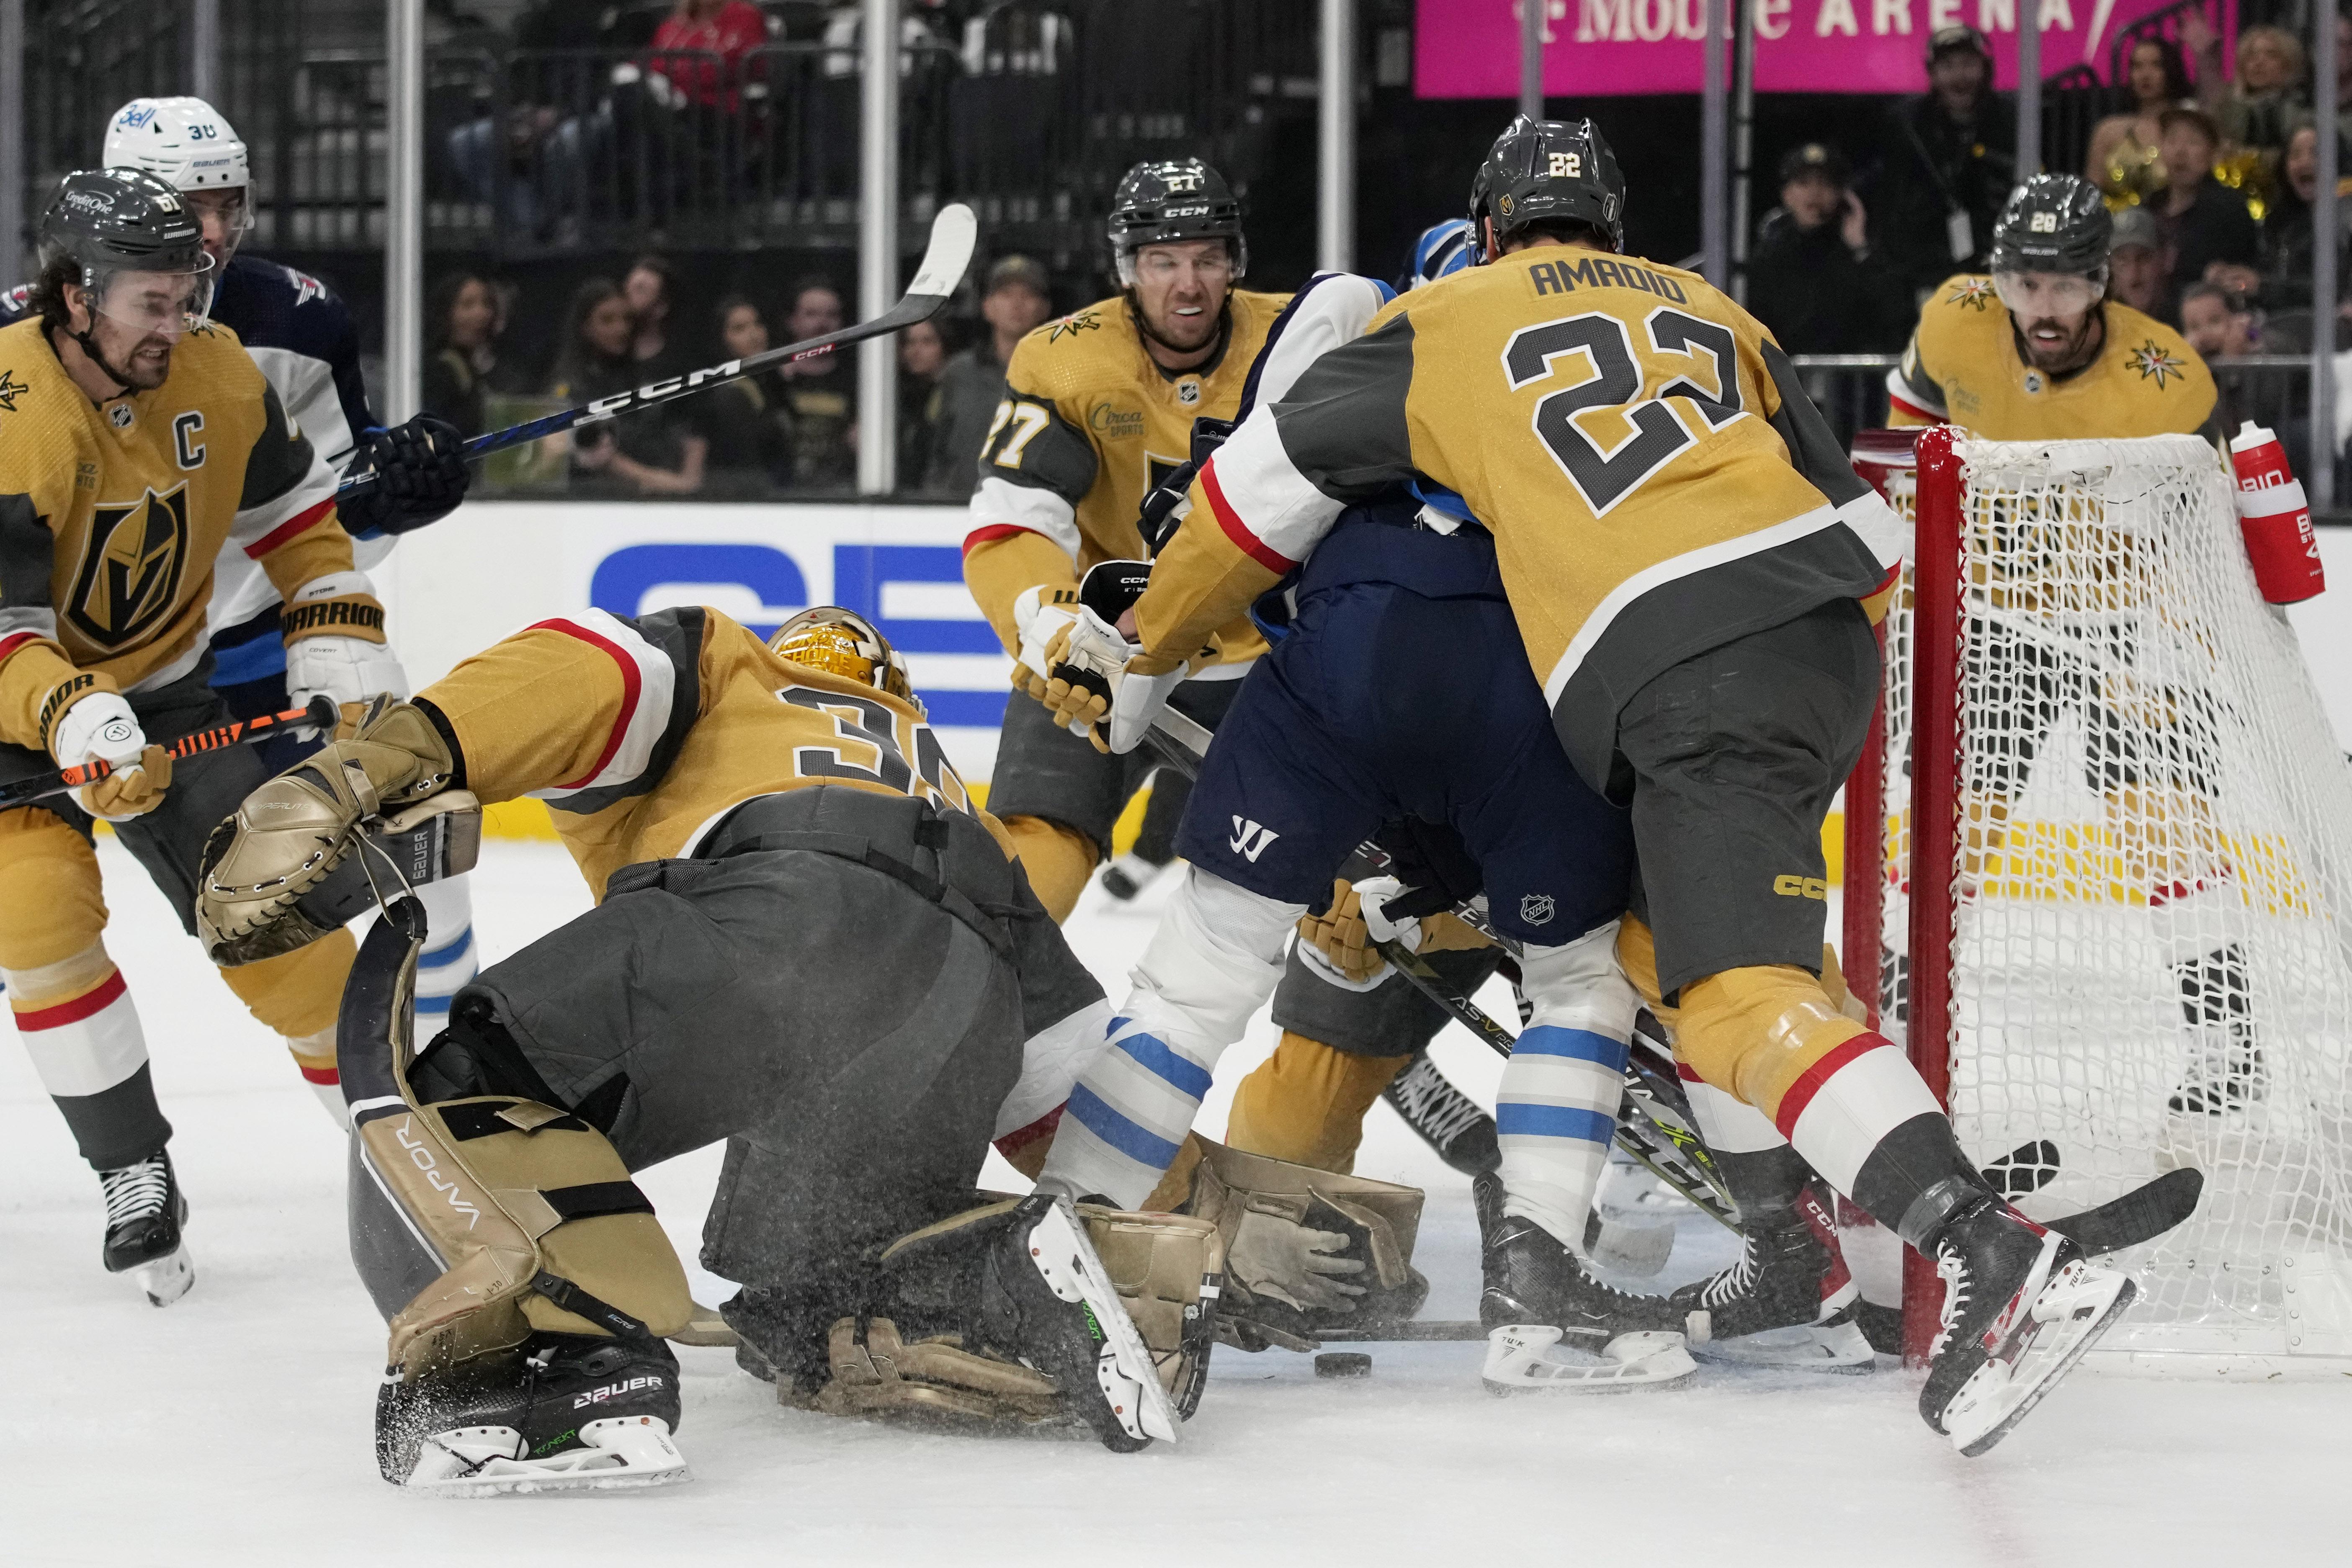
(2138,272)
(644,454)
(2217,321)
(1813,278)
(748,422)
(649,284)
(1018,297)
(461,325)
(2124,160)
(2281,282)
(730,29)
(2256,112)
(1949,156)
(549,132)
(922,355)
(2201,220)
(821,394)
(2219,324)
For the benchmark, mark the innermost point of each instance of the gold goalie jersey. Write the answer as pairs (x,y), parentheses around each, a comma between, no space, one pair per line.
(1964,366)
(641,734)
(111,516)
(1088,425)
(1656,481)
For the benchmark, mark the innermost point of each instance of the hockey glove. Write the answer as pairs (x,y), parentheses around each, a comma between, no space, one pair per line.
(1340,937)
(290,833)
(1086,658)
(421,477)
(1274,1255)
(100,727)
(335,645)
(1040,615)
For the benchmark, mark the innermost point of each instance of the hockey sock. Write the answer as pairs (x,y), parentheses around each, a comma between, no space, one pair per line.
(1762,1171)
(1058,861)
(1556,1110)
(450,958)
(1306,1103)
(1212,963)
(79,1025)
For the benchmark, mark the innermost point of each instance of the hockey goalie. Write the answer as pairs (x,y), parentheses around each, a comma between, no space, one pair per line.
(808,944)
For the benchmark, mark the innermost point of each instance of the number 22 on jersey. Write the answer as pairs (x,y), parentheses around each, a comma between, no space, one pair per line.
(1670,381)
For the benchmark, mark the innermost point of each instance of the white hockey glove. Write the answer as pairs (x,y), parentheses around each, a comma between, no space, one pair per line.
(1040,615)
(1373,894)
(101,728)
(1087,659)
(1273,1255)
(333,628)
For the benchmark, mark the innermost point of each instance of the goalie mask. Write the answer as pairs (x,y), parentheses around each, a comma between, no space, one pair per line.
(845,643)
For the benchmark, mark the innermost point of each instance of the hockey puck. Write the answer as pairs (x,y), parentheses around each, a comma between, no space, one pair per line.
(1343,1363)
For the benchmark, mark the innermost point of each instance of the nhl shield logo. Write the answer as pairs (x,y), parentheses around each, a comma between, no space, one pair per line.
(1188,392)
(130,570)
(1536,908)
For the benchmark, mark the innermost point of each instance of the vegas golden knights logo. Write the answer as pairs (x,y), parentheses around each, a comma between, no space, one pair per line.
(131,568)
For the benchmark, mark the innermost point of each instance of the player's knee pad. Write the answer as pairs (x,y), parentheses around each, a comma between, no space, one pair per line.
(477,1221)
(1298,1241)
(52,904)
(297,993)
(1754,1032)
(1305,1104)
(1058,860)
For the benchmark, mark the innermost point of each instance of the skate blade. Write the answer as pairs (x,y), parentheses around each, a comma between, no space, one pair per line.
(2069,1315)
(481,1461)
(1521,1357)
(1837,1348)
(167,1278)
(1130,1380)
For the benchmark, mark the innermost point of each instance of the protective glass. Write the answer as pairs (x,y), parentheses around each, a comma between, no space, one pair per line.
(163,304)
(2037,295)
(226,216)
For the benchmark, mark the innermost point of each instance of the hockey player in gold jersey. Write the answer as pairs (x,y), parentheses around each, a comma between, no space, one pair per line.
(2033,352)
(807,943)
(1689,557)
(137,441)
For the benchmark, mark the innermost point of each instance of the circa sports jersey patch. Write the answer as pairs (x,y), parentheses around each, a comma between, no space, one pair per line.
(2150,359)
(11,389)
(1082,321)
(1973,293)
(130,570)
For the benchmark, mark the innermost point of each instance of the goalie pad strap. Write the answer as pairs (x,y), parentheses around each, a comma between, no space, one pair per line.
(581,1304)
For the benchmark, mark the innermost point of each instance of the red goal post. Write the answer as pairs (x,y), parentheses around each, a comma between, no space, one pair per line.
(2108,908)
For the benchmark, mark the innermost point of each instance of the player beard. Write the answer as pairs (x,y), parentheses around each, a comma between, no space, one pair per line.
(2053,349)
(148,365)
(1184,333)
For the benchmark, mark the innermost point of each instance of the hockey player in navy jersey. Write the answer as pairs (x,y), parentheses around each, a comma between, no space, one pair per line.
(302,336)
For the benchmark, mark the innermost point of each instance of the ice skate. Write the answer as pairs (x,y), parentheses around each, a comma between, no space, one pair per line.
(1788,1302)
(2225,1069)
(1019,1282)
(145,1212)
(1128,875)
(1551,1324)
(1454,1126)
(2021,1306)
(565,1412)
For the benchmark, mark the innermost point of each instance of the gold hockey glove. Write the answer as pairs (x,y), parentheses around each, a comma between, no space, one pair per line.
(1339,934)
(294,830)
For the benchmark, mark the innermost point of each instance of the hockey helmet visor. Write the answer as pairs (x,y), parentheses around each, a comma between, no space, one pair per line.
(845,643)
(1163,201)
(139,248)
(2037,296)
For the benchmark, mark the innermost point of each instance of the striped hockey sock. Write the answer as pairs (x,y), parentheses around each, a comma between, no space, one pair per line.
(1554,1116)
(79,1025)
(450,958)
(1129,1115)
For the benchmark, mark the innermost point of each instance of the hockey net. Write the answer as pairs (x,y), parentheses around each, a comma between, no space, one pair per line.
(2120,942)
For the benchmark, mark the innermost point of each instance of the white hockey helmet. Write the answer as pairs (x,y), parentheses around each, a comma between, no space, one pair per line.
(184,141)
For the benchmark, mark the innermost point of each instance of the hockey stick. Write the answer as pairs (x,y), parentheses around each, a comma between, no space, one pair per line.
(320,717)
(953,233)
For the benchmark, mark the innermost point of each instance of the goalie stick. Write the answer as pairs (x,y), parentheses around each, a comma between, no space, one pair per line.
(320,717)
(945,260)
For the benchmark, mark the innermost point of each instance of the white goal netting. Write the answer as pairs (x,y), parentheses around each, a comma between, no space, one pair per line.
(2151,944)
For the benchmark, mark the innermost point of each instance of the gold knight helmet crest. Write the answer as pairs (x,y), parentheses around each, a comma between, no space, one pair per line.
(131,568)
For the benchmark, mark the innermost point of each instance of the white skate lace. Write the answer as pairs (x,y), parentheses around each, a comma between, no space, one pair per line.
(136,1191)
(1734,1281)
(1434,1105)
(1954,1271)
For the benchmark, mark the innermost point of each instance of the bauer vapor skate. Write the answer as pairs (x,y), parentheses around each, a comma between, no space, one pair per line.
(564,1411)
(1551,1324)
(2021,1306)
(144,1213)
(1788,1302)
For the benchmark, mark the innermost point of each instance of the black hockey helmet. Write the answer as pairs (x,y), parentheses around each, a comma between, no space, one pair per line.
(123,220)
(1551,171)
(2053,222)
(1167,199)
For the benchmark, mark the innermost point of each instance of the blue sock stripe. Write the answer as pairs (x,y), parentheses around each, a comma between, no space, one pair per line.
(449,953)
(1577,1045)
(1187,1077)
(1137,1142)
(1549,1121)
(433,1006)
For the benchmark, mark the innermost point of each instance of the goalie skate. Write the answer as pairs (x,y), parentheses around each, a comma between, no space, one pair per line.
(511,1423)
(486,1461)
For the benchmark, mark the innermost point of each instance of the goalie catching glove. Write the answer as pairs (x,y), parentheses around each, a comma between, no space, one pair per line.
(289,834)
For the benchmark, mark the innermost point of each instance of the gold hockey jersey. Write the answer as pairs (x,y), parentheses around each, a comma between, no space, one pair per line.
(1963,367)
(1655,481)
(641,734)
(1088,425)
(113,515)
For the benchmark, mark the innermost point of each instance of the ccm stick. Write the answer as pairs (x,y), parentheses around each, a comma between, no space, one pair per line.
(945,261)
(320,717)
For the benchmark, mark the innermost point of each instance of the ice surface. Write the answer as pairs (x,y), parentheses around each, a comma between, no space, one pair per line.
(235,1427)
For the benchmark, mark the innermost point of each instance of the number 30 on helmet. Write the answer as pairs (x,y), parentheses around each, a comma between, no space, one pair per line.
(845,643)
